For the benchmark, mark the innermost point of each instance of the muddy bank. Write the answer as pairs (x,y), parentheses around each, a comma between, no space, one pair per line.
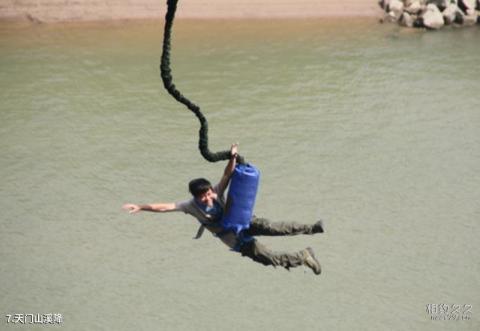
(101,10)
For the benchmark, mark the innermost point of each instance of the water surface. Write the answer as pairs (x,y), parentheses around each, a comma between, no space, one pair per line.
(371,127)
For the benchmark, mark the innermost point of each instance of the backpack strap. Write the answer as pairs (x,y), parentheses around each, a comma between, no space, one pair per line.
(199,232)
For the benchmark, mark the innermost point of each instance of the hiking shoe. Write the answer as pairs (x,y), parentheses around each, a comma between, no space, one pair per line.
(318,227)
(310,261)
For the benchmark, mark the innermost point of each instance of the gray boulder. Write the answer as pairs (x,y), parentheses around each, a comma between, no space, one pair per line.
(396,8)
(418,22)
(383,4)
(466,5)
(432,18)
(459,17)
(406,20)
(470,18)
(450,13)
(441,4)
(414,7)
(409,2)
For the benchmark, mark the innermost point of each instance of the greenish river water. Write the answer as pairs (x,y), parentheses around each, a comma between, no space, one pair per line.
(371,127)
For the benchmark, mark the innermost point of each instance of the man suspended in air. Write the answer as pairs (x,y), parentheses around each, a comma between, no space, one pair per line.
(208,207)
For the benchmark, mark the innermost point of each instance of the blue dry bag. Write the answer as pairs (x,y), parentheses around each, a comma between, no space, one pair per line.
(241,198)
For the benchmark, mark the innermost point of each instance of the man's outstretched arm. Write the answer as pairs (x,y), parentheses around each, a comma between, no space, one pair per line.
(154,207)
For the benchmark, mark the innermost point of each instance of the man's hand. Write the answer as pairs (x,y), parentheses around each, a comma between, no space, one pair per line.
(131,208)
(234,150)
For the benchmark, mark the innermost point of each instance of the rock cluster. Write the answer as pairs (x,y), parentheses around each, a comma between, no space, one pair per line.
(432,14)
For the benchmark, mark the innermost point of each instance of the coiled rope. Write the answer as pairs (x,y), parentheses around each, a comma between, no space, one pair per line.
(166,74)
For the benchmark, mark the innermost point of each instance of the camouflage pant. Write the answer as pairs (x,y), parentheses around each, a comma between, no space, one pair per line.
(260,253)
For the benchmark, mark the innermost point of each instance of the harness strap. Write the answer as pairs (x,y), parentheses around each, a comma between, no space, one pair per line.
(199,232)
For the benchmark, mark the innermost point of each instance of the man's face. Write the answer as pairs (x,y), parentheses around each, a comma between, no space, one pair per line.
(207,198)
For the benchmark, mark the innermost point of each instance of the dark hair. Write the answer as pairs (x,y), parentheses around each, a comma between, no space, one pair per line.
(199,186)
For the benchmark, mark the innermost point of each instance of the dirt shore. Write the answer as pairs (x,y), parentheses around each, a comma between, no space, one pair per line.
(99,10)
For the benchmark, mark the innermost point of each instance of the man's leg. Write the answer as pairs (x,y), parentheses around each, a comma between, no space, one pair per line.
(259,253)
(263,227)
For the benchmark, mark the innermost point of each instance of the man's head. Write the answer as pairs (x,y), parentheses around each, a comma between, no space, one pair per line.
(202,190)
(199,186)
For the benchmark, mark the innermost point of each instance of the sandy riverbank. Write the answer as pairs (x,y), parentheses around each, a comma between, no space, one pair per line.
(95,10)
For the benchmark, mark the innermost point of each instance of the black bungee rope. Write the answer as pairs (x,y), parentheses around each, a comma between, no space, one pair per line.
(166,75)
